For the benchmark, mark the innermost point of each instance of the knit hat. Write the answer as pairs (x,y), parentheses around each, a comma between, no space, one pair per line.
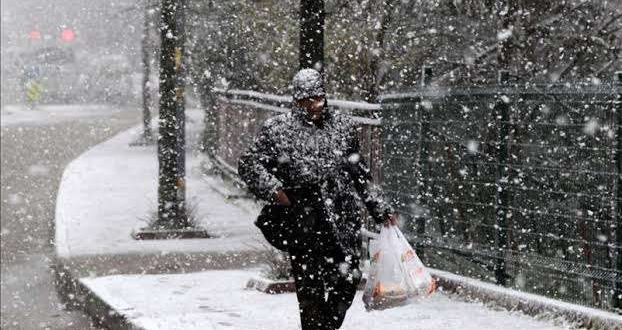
(307,83)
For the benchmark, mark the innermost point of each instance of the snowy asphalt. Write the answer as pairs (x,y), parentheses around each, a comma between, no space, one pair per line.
(33,157)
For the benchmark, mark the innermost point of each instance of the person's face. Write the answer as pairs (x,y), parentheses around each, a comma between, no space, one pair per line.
(314,106)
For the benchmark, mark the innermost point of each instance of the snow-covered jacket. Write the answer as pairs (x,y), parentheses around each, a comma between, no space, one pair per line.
(321,170)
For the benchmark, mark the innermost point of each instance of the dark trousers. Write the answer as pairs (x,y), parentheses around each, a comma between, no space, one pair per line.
(325,287)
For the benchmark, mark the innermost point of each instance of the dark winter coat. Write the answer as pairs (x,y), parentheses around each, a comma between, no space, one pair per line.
(321,170)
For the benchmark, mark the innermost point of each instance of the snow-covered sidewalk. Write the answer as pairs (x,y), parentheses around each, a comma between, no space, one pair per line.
(110,190)
(218,300)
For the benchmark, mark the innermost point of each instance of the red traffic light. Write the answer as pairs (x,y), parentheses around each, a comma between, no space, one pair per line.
(67,35)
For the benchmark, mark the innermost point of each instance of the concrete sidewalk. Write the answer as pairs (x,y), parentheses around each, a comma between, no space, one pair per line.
(109,191)
(213,300)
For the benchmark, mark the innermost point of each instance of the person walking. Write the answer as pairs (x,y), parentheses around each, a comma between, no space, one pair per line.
(307,165)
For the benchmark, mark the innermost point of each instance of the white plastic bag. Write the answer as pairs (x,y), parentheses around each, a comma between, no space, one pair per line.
(396,276)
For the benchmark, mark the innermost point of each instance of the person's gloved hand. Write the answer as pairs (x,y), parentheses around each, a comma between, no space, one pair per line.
(391,220)
(281,198)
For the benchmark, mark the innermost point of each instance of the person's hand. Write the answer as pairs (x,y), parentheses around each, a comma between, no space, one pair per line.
(281,198)
(391,220)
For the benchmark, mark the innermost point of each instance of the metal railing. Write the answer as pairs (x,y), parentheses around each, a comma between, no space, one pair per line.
(240,114)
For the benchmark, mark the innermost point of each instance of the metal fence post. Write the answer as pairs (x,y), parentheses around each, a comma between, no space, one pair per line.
(617,294)
(426,75)
(501,203)
(422,117)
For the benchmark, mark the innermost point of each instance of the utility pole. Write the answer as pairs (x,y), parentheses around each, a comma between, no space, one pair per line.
(311,49)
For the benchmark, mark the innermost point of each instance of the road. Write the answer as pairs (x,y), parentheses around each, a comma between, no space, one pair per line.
(33,158)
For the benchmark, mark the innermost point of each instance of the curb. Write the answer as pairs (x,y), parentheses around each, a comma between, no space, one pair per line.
(528,303)
(76,295)
(102,312)
(155,263)
(270,286)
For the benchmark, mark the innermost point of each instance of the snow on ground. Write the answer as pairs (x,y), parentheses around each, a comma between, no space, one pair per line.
(121,193)
(107,193)
(218,300)
(530,298)
(20,115)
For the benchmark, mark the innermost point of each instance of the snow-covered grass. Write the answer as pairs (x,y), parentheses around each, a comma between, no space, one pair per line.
(219,300)
(19,115)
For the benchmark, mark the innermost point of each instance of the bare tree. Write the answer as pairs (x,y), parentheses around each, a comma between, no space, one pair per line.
(171,149)
(147,49)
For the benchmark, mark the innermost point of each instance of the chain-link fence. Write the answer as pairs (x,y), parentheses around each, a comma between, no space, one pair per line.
(517,185)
